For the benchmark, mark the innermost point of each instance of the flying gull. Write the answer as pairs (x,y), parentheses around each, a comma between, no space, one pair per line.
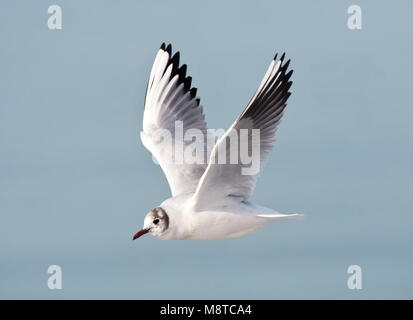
(210,199)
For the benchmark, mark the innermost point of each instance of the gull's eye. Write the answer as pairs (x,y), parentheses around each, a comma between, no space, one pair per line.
(156,221)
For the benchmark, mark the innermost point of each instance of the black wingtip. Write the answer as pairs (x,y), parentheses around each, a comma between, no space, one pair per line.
(285,66)
(169,49)
(275,57)
(175,59)
(187,83)
(182,72)
(282,57)
(193,92)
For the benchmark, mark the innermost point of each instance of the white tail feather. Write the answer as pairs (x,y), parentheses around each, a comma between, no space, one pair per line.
(279,216)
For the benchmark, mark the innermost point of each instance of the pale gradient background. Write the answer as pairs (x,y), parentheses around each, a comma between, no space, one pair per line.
(75,181)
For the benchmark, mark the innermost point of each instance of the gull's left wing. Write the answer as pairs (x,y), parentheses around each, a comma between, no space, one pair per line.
(171,110)
(263,114)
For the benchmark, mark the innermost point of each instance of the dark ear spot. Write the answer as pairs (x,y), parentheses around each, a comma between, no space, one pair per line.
(160,213)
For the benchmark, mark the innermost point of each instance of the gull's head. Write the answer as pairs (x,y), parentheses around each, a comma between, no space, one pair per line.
(156,223)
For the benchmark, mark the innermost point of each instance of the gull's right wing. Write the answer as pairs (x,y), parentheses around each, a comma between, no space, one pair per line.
(171,106)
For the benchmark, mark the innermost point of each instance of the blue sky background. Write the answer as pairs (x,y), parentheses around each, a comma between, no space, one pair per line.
(76,183)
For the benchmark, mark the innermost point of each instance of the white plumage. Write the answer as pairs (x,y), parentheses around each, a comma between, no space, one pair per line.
(209,199)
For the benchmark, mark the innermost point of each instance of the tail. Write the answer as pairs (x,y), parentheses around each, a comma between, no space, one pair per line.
(269,214)
(279,216)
